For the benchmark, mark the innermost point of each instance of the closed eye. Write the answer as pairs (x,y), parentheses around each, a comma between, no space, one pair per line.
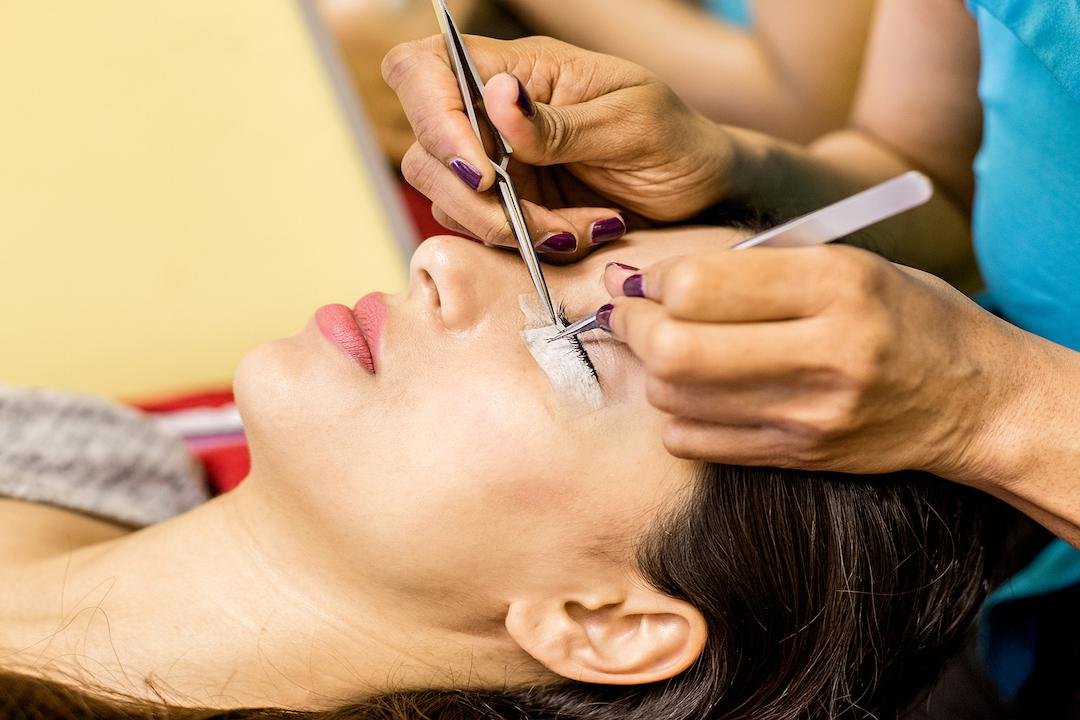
(579,349)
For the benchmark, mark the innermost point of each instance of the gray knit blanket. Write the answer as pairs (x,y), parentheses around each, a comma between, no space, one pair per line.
(90,455)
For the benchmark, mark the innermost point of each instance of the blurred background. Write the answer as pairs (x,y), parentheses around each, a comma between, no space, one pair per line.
(180,182)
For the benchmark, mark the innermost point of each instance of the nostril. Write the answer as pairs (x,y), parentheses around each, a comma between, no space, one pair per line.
(431,290)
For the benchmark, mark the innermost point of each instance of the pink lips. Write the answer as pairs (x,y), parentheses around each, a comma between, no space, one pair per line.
(358,331)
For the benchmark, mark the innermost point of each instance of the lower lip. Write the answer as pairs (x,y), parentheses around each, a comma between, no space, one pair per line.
(342,327)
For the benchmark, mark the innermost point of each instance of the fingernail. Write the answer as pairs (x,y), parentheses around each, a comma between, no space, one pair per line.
(604,231)
(468,174)
(562,242)
(622,266)
(524,102)
(634,286)
(603,317)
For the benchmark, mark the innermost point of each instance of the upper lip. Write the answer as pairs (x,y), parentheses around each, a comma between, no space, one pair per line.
(370,314)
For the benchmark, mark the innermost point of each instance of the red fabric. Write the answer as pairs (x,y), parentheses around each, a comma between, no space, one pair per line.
(419,208)
(226,466)
(226,462)
(214,398)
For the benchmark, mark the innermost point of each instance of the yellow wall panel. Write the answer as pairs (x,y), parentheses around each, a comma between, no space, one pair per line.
(177,184)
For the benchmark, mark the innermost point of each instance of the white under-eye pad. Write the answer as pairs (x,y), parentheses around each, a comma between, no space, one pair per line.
(574,384)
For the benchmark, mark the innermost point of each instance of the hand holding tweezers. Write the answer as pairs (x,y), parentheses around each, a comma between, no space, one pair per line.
(832,222)
(472,89)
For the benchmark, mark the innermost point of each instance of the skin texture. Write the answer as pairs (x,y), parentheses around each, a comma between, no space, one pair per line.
(391,548)
(1005,419)
(793,74)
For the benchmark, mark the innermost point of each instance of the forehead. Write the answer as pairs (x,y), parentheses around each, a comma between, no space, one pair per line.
(654,245)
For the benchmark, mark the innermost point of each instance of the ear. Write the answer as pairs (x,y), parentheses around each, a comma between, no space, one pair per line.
(632,636)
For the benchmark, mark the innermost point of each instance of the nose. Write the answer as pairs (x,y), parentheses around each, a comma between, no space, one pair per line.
(462,278)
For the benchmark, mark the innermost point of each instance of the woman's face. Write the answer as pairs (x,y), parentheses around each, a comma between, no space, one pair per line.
(458,464)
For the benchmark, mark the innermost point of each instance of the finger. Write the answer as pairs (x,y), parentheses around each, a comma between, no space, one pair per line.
(733,444)
(450,224)
(679,351)
(597,92)
(556,248)
(747,402)
(615,274)
(756,285)
(768,446)
(561,235)
(589,229)
(594,130)
(479,215)
(419,72)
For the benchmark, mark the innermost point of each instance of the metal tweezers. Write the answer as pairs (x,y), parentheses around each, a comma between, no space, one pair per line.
(472,88)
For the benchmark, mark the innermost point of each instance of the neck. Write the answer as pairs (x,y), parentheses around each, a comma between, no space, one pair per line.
(210,609)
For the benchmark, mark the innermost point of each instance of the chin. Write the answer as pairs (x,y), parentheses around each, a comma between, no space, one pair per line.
(298,405)
(266,386)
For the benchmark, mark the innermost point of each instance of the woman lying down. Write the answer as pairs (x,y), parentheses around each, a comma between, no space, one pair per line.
(446,529)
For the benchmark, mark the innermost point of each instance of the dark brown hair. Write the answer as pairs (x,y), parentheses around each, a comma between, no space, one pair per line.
(826,596)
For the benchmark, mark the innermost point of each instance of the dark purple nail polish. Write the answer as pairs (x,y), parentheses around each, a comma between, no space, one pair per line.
(562,242)
(604,231)
(603,317)
(633,286)
(468,174)
(524,102)
(623,266)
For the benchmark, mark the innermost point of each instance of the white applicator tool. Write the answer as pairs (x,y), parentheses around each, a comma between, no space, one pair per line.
(832,222)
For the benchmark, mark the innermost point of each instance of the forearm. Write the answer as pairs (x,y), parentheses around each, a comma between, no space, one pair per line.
(793,180)
(1029,451)
(724,72)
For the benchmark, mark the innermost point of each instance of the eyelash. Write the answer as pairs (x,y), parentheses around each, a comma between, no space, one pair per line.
(575,343)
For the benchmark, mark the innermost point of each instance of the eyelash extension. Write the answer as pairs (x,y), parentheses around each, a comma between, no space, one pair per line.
(575,343)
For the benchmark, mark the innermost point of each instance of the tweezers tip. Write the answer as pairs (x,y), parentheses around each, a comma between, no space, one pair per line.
(566,331)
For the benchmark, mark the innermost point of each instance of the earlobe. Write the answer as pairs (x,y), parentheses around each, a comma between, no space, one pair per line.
(641,637)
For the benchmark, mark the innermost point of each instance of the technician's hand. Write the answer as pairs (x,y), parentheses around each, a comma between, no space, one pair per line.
(820,358)
(595,139)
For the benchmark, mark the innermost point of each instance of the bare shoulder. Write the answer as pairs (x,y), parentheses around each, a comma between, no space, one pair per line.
(32,531)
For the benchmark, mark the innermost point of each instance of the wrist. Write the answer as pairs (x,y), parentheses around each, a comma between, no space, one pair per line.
(1005,442)
(1031,456)
(752,167)
(719,162)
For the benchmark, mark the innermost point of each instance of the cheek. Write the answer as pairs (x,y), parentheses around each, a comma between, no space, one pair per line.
(490,465)
(467,499)
(461,448)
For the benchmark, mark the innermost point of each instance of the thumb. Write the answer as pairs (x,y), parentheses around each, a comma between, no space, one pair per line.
(544,134)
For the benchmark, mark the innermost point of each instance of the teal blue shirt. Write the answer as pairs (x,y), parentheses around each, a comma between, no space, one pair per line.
(1027,236)
(1027,208)
(734,11)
